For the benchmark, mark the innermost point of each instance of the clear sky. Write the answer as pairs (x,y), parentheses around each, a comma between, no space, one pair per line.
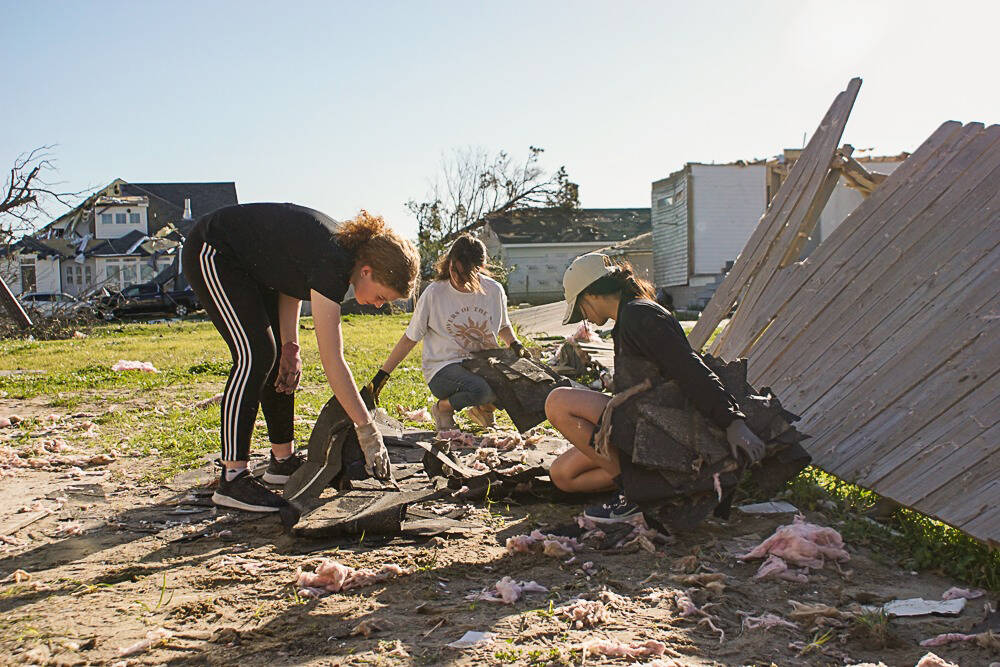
(340,105)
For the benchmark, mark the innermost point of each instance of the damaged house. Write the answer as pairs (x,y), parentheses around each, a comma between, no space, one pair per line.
(121,235)
(540,243)
(703,215)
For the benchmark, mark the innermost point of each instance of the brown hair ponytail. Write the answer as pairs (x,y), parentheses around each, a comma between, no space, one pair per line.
(467,257)
(622,279)
(394,260)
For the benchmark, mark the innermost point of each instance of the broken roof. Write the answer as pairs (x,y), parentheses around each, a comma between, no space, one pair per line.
(562,225)
(640,243)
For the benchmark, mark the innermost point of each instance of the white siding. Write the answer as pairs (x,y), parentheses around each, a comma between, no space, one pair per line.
(47,275)
(669,218)
(728,202)
(10,270)
(538,272)
(844,200)
(114,230)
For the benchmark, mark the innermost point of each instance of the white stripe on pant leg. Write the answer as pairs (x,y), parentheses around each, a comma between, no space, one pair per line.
(248,359)
(241,367)
(239,336)
(226,407)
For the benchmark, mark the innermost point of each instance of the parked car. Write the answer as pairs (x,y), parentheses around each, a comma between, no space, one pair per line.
(54,304)
(148,298)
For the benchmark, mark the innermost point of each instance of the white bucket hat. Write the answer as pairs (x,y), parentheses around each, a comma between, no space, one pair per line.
(584,270)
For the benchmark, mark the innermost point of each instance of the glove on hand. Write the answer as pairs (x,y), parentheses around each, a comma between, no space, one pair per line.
(742,439)
(520,350)
(376,455)
(375,386)
(289,369)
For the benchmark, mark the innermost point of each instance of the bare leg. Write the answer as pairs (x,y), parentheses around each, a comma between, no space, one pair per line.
(575,413)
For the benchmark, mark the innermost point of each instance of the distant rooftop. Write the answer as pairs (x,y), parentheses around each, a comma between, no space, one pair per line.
(561,225)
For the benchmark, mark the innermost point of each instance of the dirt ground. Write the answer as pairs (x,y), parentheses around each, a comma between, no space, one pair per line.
(111,558)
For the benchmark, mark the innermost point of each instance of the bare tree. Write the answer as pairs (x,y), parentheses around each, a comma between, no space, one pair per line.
(28,192)
(474,186)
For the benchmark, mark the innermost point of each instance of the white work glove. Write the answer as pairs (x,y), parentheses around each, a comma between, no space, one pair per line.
(742,439)
(376,455)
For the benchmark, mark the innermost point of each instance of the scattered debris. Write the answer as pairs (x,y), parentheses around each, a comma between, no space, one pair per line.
(584,613)
(79,335)
(556,546)
(773,507)
(333,576)
(17,577)
(922,607)
(616,649)
(775,567)
(819,614)
(711,581)
(986,640)
(508,591)
(473,638)
(153,637)
(125,365)
(368,626)
(932,660)
(955,592)
(765,622)
(800,543)
(419,415)
(213,400)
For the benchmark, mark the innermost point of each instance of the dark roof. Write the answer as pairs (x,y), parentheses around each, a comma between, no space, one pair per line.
(166,201)
(561,225)
(118,246)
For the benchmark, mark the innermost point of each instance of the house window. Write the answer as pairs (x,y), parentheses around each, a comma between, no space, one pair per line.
(79,274)
(69,275)
(128,274)
(120,218)
(28,274)
(145,272)
(106,218)
(88,277)
(664,202)
(134,218)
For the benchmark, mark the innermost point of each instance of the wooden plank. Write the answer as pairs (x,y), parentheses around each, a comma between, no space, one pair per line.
(911,278)
(862,232)
(748,260)
(932,446)
(819,160)
(985,528)
(13,306)
(969,496)
(794,249)
(927,331)
(912,397)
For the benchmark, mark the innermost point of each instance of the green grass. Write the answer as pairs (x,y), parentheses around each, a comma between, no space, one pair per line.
(908,539)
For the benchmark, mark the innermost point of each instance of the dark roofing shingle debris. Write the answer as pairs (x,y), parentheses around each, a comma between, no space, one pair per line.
(563,225)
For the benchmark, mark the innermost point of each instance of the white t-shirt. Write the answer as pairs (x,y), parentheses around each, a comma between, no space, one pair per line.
(455,324)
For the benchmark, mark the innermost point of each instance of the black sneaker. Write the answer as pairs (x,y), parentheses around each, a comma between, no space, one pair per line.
(245,492)
(619,509)
(278,472)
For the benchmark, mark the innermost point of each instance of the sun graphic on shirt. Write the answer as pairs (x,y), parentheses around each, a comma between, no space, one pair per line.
(474,335)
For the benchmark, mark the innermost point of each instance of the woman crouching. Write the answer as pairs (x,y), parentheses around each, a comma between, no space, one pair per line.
(664,456)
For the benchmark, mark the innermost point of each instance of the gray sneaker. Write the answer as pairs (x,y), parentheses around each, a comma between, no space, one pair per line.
(245,492)
(619,509)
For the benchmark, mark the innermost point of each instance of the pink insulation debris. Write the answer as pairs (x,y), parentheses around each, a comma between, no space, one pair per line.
(153,637)
(584,613)
(333,576)
(508,591)
(5,422)
(803,544)
(931,660)
(125,365)
(776,568)
(583,334)
(418,415)
(615,649)
(766,622)
(955,592)
(987,640)
(556,546)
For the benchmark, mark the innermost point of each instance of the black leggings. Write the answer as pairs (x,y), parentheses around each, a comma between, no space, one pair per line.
(246,314)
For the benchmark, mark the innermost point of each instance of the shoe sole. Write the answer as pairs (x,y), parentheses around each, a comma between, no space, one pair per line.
(226,501)
(272,478)
(479,419)
(621,519)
